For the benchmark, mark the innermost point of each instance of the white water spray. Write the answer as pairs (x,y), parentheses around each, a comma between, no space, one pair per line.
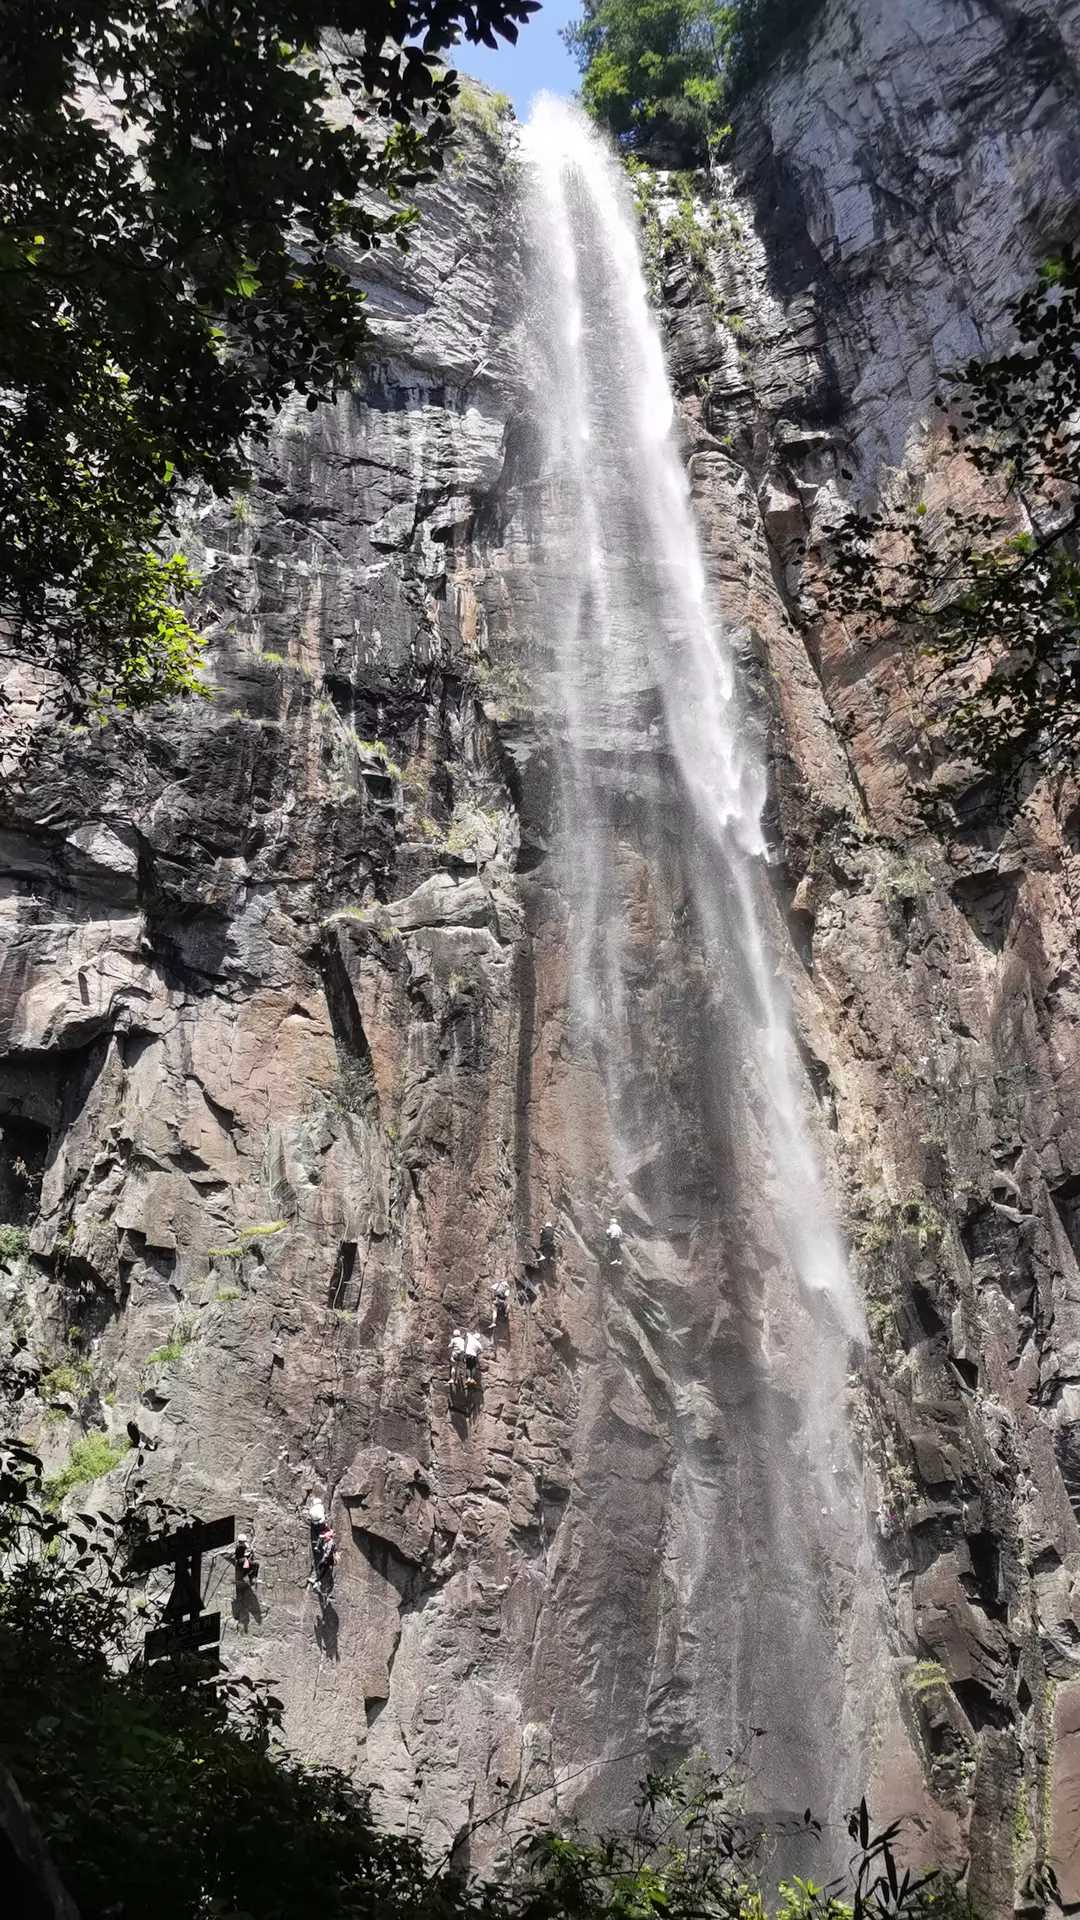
(610,418)
(661,791)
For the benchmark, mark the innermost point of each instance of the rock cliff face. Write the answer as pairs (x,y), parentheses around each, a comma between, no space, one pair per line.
(288,1081)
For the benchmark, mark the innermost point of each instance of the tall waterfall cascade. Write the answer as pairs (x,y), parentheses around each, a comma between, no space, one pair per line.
(661,786)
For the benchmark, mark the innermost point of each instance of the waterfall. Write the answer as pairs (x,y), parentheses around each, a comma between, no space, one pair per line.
(735,1289)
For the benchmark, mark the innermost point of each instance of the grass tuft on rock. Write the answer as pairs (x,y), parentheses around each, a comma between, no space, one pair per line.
(182,1336)
(91,1458)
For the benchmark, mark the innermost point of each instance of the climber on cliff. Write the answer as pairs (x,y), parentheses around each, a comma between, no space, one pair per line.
(316,1519)
(500,1303)
(474,1347)
(547,1243)
(325,1558)
(613,1237)
(244,1562)
(457,1360)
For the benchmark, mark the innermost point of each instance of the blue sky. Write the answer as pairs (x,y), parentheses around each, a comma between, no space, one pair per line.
(538,62)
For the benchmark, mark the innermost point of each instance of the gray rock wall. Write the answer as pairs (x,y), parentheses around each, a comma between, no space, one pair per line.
(287,1083)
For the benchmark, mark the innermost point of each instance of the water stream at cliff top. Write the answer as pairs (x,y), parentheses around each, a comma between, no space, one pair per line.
(735,1287)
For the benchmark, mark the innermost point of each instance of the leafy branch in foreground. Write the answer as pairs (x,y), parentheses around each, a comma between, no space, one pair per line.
(693,1855)
(994,593)
(185,186)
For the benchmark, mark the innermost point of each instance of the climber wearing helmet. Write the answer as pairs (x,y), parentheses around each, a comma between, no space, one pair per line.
(244,1562)
(457,1358)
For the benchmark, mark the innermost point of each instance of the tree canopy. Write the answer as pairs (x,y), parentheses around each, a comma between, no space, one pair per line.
(992,592)
(652,66)
(184,186)
(669,70)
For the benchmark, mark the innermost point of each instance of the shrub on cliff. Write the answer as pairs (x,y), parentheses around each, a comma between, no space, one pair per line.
(183,186)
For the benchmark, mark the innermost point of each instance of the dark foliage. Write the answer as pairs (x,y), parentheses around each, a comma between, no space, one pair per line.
(184,185)
(994,594)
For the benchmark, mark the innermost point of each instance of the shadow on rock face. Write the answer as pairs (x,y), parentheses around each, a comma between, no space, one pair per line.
(528,1288)
(246,1608)
(464,1403)
(326,1631)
